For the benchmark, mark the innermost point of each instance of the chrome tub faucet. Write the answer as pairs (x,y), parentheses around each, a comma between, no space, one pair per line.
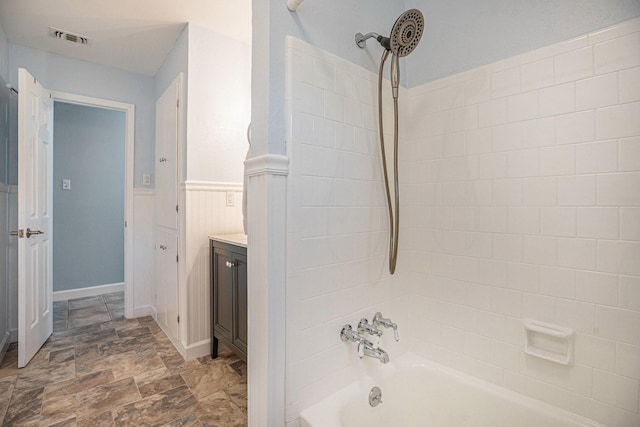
(364,346)
(376,353)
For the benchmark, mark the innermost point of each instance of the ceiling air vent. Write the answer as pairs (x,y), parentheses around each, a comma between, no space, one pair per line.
(69,36)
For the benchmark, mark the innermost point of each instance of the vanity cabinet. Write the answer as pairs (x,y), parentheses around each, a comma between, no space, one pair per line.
(229,322)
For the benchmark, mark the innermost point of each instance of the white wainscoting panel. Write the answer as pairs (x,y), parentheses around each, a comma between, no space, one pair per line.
(207,213)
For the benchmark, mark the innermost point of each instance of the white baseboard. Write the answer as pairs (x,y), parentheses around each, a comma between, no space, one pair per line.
(176,343)
(199,349)
(91,291)
(144,310)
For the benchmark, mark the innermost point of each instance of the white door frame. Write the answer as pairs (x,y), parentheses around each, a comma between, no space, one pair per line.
(129,110)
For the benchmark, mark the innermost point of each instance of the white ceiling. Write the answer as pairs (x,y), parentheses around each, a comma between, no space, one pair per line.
(133,35)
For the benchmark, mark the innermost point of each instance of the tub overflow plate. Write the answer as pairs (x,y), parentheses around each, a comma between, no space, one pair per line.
(375,396)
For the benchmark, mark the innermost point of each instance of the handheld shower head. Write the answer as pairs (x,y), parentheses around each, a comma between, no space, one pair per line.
(405,36)
(406,32)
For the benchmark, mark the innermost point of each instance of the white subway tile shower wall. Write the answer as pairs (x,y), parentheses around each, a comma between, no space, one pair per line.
(547,226)
(521,198)
(336,223)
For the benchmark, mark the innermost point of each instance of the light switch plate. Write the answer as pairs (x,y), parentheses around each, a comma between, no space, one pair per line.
(231,198)
(146,179)
(66,184)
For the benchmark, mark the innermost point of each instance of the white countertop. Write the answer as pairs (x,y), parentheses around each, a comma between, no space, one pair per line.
(234,239)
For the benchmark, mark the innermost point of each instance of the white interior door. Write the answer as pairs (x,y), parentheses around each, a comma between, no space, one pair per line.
(166,157)
(35,190)
(166,209)
(166,281)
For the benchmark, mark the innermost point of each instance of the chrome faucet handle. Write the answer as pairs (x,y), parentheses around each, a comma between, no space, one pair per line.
(348,334)
(387,323)
(365,326)
(361,346)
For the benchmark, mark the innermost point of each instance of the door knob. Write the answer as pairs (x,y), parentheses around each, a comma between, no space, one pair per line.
(230,264)
(19,233)
(33,232)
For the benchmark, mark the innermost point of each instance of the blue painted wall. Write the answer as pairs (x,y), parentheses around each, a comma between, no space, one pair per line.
(88,219)
(459,35)
(64,74)
(328,24)
(464,34)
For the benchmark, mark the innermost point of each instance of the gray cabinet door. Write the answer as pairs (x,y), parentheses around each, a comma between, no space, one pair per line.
(240,329)
(223,300)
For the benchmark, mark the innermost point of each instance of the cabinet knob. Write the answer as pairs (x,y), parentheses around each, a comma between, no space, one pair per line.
(230,264)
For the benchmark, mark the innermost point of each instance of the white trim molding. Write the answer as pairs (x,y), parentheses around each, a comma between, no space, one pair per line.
(144,310)
(198,349)
(271,164)
(212,186)
(90,291)
(266,252)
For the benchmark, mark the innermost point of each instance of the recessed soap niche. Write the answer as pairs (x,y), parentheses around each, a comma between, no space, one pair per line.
(548,341)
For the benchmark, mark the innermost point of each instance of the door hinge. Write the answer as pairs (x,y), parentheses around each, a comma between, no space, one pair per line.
(176,208)
(177,258)
(125,224)
(177,103)
(178,319)
(19,233)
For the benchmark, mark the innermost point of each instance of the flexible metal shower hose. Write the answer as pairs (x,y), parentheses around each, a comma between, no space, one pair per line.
(394,215)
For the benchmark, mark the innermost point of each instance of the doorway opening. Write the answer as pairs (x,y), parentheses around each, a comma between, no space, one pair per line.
(88,220)
(99,219)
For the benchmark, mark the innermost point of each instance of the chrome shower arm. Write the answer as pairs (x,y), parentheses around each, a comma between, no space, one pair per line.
(361,39)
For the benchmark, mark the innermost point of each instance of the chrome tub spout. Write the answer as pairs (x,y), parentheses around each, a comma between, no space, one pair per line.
(376,353)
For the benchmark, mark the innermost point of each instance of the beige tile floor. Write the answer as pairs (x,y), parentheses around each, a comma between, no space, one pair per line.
(118,372)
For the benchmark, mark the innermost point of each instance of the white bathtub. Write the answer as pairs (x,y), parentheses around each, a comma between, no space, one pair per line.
(418,392)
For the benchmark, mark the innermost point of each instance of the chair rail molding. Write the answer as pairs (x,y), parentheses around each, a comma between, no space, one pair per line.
(272,164)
